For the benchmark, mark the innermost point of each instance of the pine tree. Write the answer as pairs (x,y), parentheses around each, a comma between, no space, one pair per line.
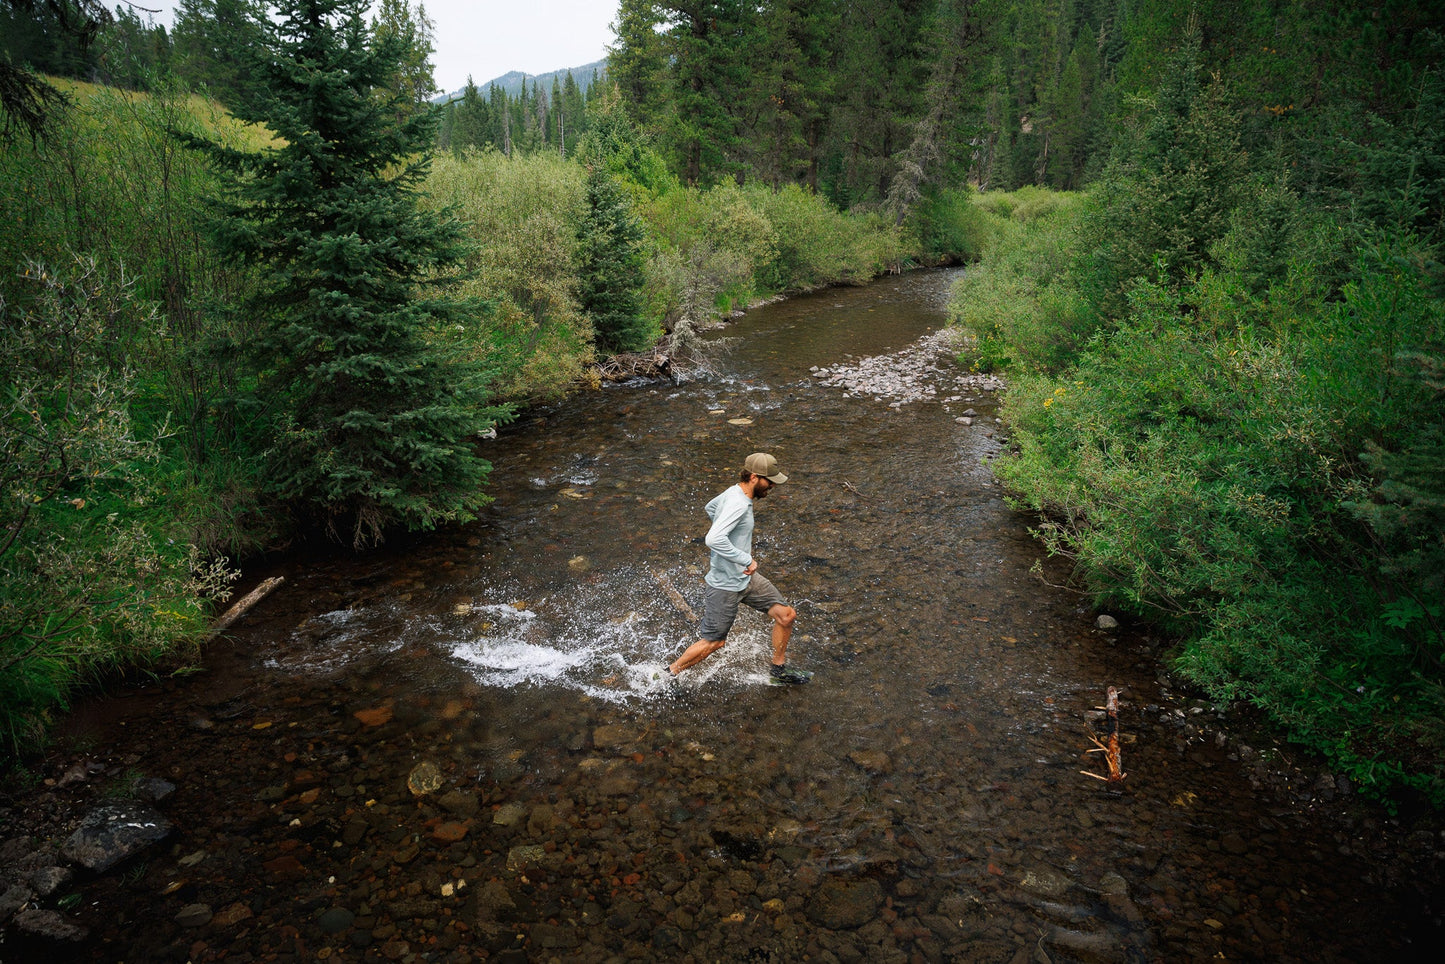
(471,127)
(373,426)
(213,41)
(412,77)
(708,43)
(882,71)
(612,267)
(500,111)
(637,62)
(448,126)
(1066,108)
(1170,189)
(556,124)
(574,108)
(960,35)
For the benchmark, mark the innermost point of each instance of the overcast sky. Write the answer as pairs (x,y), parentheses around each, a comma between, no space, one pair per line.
(488,38)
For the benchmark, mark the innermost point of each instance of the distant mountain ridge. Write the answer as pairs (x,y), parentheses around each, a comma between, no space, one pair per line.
(511,82)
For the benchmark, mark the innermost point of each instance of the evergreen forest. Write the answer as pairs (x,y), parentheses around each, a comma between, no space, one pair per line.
(257,287)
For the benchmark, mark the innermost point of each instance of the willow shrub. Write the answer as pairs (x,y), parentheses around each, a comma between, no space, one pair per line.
(1208,465)
(815,244)
(710,246)
(112,185)
(736,243)
(1019,307)
(96,572)
(523,214)
(952,227)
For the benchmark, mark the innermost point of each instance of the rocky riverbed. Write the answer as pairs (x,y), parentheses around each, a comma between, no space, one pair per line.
(922,372)
(294,834)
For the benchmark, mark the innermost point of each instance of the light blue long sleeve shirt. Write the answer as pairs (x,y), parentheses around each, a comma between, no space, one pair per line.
(730,539)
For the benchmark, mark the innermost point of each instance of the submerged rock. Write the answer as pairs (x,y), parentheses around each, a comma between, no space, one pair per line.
(111,833)
(47,924)
(424,778)
(846,903)
(1045,882)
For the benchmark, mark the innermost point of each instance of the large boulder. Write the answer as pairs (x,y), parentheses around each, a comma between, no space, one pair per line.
(114,832)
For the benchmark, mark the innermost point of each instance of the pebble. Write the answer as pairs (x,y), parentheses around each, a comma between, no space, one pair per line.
(424,778)
(509,815)
(335,920)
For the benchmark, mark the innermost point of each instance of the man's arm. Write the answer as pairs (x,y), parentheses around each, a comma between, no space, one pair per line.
(717,537)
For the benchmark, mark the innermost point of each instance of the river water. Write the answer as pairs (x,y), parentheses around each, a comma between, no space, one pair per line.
(920,800)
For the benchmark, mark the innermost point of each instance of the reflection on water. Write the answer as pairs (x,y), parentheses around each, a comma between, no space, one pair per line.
(921,799)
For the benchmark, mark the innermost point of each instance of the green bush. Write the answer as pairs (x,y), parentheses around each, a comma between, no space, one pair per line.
(523,215)
(815,244)
(952,226)
(1269,494)
(96,570)
(1019,308)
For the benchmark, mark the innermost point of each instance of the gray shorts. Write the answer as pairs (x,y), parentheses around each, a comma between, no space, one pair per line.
(721,607)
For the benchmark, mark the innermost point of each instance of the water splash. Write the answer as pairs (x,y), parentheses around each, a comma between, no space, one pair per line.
(577,640)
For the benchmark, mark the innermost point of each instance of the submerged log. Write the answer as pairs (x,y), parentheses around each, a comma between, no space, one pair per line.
(244,604)
(680,603)
(1109,746)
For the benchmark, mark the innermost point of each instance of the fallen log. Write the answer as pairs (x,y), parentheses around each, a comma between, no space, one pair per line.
(1109,746)
(680,603)
(243,605)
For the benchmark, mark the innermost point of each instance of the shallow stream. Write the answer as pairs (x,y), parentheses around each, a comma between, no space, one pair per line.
(920,800)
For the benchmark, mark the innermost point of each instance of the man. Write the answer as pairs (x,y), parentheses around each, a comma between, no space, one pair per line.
(732,575)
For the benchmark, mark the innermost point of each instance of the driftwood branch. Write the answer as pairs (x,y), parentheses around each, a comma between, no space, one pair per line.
(655,363)
(1109,746)
(666,585)
(244,604)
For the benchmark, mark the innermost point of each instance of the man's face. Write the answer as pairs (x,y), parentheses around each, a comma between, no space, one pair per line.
(762,487)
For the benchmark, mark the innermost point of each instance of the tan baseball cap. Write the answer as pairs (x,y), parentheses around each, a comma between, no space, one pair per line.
(761,463)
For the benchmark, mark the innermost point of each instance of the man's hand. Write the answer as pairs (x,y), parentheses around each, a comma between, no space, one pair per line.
(752,568)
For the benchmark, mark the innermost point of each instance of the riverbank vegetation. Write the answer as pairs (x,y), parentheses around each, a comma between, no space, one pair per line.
(1210,267)
(1227,403)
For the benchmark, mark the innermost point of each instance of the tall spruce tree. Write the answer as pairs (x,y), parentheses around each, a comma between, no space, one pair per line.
(637,63)
(412,76)
(612,267)
(214,42)
(373,426)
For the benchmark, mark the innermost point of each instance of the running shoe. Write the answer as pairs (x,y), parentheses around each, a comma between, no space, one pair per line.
(788,676)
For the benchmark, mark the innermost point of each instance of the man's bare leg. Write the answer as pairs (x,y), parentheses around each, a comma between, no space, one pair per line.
(696,653)
(783,617)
